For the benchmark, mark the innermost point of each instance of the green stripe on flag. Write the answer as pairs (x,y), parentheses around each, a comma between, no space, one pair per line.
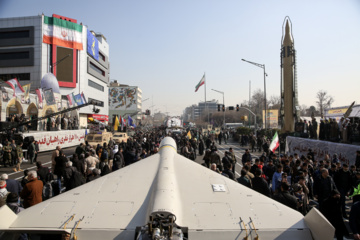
(62,23)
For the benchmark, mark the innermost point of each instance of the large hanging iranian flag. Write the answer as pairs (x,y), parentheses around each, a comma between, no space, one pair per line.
(62,33)
(274,143)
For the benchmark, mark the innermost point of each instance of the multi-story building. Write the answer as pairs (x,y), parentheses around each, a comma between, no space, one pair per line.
(194,112)
(124,101)
(27,53)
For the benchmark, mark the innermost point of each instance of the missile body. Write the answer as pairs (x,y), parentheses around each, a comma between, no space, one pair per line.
(288,86)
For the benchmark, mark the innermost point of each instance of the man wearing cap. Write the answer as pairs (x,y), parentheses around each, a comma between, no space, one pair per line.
(3,191)
(11,184)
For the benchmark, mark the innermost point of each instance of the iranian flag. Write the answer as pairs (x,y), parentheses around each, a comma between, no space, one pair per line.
(62,33)
(15,85)
(274,143)
(202,82)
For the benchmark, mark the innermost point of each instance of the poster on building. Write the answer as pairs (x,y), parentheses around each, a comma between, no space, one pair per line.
(301,146)
(5,95)
(123,98)
(49,97)
(272,118)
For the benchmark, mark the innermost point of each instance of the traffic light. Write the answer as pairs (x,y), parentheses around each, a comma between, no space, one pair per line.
(218,107)
(223,108)
(231,108)
(237,107)
(147,112)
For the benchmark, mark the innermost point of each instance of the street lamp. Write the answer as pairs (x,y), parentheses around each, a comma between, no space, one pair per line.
(223,101)
(265,74)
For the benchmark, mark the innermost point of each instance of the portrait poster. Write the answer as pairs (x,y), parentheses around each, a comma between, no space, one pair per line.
(49,97)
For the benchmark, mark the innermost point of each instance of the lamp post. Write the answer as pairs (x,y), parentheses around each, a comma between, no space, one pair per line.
(263,67)
(223,102)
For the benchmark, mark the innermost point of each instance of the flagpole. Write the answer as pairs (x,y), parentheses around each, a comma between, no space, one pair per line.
(205,98)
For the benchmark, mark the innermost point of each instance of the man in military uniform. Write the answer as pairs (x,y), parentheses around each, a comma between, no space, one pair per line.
(7,154)
(31,151)
(20,156)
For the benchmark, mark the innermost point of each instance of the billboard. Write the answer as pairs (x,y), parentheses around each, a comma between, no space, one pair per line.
(123,98)
(272,118)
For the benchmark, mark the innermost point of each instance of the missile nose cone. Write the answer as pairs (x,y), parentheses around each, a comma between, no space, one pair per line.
(287,27)
(287,36)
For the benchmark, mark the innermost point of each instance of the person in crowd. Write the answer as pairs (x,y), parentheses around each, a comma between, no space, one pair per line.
(276,179)
(285,197)
(323,186)
(11,184)
(259,184)
(42,171)
(31,151)
(246,157)
(331,208)
(354,220)
(60,165)
(32,191)
(343,182)
(243,179)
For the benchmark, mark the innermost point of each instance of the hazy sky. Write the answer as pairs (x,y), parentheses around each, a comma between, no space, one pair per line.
(165,46)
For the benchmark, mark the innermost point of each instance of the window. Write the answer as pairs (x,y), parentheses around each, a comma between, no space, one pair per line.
(19,76)
(101,56)
(14,34)
(95,85)
(98,103)
(97,69)
(14,55)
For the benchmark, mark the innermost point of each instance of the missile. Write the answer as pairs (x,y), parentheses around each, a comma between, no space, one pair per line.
(288,84)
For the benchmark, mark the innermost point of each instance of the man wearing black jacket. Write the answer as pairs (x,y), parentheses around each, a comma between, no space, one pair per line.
(284,197)
(343,182)
(259,184)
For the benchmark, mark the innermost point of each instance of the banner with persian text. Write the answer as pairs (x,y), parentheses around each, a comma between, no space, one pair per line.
(49,140)
(301,146)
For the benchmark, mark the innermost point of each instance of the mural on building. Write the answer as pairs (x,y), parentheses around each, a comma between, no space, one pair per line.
(123,98)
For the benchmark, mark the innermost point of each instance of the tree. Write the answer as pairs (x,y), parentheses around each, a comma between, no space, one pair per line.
(303,109)
(324,101)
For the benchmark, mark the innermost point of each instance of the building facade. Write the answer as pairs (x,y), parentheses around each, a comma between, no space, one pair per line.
(26,55)
(195,112)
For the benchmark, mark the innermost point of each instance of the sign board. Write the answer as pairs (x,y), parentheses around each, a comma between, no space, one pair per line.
(49,140)
(272,118)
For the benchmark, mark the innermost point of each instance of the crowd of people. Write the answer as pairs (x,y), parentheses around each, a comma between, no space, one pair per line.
(299,182)
(329,129)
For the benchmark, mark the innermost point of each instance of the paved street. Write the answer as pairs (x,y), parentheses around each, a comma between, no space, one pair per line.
(44,157)
(238,150)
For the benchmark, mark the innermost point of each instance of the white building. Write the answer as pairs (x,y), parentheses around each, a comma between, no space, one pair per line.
(24,55)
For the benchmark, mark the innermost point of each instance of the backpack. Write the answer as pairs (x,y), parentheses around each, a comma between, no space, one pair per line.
(48,190)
